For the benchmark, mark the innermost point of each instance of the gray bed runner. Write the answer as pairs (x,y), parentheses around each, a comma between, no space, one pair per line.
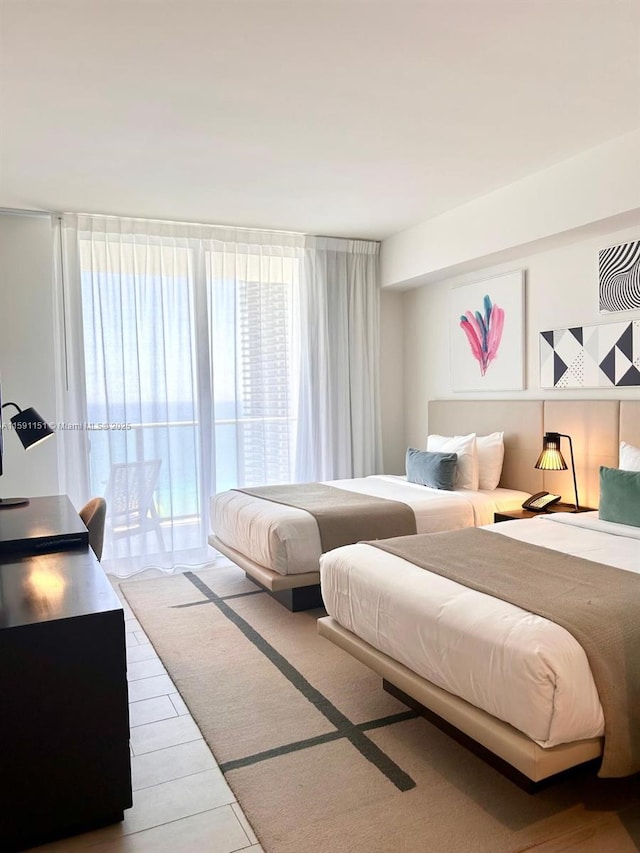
(343,517)
(599,605)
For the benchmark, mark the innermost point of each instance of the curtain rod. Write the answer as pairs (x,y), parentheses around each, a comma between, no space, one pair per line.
(58,214)
(183,222)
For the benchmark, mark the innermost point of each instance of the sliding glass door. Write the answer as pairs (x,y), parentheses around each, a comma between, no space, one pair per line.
(190,381)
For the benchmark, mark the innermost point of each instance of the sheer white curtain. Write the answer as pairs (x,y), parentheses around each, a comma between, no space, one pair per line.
(179,376)
(339,430)
(195,359)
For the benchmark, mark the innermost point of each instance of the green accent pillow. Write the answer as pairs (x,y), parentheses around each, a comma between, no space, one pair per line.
(620,496)
(437,470)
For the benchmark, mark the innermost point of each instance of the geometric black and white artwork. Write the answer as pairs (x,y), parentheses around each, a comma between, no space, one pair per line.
(619,277)
(600,356)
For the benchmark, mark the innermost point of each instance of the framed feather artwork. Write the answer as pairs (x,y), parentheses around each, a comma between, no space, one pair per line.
(487,333)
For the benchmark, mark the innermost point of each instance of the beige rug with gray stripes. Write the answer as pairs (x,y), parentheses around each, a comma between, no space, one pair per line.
(323,761)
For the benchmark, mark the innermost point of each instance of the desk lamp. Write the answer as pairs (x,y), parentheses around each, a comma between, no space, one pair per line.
(31,430)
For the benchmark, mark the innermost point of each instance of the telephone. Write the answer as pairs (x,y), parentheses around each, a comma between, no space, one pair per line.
(540,501)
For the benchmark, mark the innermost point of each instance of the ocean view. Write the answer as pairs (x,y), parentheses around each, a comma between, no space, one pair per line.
(170,433)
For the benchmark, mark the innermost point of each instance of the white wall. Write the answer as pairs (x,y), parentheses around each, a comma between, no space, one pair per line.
(27,349)
(550,224)
(561,291)
(597,185)
(391,381)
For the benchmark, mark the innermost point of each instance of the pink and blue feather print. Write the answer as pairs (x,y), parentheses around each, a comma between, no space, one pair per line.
(484,332)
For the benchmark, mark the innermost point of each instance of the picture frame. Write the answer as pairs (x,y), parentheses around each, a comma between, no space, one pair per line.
(619,278)
(487,334)
(600,355)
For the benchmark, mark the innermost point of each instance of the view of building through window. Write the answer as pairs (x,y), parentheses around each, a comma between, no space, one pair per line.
(266,432)
(192,407)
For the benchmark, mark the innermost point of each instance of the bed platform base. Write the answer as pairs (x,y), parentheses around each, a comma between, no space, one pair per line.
(505,748)
(295,592)
(481,751)
(296,598)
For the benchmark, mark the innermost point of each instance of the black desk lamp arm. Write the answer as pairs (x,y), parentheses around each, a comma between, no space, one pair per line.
(573,469)
(15,406)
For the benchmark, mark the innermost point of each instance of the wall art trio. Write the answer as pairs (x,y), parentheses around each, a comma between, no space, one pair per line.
(487,333)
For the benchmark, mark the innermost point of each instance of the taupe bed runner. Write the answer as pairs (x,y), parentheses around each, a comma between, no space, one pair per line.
(343,517)
(599,605)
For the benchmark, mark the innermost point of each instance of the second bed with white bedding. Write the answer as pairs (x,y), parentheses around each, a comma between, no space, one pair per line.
(286,540)
(519,667)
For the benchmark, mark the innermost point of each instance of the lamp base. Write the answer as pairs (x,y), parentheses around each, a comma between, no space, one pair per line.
(563,507)
(5,503)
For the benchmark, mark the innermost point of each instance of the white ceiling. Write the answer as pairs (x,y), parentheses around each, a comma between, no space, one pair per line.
(350,118)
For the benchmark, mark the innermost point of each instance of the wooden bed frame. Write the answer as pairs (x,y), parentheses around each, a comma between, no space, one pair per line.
(505,748)
(295,592)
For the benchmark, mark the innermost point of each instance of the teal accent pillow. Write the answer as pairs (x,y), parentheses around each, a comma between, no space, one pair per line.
(620,496)
(437,470)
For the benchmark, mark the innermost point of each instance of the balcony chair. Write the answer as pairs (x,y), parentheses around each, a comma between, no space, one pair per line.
(132,509)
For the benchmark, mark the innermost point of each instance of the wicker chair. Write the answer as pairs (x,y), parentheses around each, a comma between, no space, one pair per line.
(132,509)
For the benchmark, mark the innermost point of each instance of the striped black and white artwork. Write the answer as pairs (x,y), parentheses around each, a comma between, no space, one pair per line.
(619,277)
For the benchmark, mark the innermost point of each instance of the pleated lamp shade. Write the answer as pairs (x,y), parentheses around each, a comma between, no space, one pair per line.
(551,458)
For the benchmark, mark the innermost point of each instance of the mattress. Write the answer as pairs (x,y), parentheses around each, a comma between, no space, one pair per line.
(517,666)
(286,539)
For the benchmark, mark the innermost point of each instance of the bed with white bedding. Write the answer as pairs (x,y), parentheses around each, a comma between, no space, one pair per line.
(279,546)
(285,539)
(478,661)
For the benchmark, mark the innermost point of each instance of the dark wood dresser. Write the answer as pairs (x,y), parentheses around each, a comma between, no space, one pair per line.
(64,716)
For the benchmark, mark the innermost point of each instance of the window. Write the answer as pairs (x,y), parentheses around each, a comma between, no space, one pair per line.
(211,401)
(205,358)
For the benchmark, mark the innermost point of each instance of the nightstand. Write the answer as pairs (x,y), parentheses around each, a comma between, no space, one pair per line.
(509,515)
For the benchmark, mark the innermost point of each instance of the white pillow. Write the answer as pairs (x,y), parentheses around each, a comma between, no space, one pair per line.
(629,457)
(490,459)
(465,446)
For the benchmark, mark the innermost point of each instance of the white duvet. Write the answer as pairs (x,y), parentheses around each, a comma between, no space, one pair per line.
(518,667)
(286,540)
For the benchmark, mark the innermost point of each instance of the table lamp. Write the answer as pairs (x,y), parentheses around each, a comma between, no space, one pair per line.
(551,458)
(31,430)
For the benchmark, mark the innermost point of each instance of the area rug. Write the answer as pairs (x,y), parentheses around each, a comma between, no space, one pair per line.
(322,760)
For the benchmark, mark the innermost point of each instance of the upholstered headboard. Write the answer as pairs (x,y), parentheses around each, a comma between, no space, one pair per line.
(595,426)
(630,422)
(521,421)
